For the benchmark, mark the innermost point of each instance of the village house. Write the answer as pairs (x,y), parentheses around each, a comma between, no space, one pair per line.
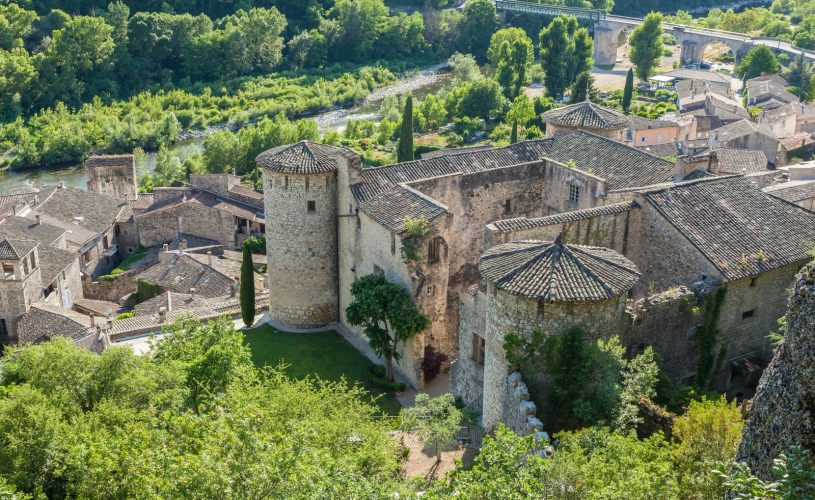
(666,130)
(745,134)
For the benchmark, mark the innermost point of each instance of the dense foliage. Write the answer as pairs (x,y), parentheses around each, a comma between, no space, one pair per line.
(646,46)
(195,420)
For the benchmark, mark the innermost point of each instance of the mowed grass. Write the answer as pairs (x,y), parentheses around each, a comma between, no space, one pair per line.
(325,355)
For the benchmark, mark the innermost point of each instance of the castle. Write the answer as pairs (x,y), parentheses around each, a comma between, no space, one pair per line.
(656,242)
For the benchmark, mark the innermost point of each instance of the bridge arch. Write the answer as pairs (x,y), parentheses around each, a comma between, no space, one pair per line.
(694,45)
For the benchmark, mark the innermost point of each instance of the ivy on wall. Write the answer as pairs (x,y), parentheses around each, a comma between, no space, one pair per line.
(710,363)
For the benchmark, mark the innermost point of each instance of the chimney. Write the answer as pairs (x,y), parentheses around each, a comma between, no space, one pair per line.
(192,293)
(209,258)
(169,301)
(183,245)
(92,319)
(232,290)
(162,315)
(165,247)
(37,219)
(62,184)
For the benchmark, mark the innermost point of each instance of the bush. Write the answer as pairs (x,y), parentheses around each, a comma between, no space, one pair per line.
(383,384)
(257,244)
(125,315)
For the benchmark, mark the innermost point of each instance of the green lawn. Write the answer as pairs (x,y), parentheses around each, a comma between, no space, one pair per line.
(325,355)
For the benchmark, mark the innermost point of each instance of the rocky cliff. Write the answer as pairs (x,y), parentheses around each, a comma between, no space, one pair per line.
(783,410)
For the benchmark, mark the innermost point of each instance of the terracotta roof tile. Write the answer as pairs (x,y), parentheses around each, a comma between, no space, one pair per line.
(304,157)
(586,114)
(554,272)
(521,223)
(740,229)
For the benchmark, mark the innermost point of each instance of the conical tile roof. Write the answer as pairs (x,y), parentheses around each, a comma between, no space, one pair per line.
(586,114)
(304,157)
(554,272)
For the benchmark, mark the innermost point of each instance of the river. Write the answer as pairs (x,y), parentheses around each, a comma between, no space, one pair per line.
(420,84)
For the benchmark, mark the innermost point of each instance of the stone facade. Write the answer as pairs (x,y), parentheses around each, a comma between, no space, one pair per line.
(21,286)
(113,175)
(783,410)
(162,226)
(301,245)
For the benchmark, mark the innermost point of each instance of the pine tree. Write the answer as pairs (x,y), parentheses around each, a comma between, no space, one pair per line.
(628,90)
(247,287)
(404,151)
(513,136)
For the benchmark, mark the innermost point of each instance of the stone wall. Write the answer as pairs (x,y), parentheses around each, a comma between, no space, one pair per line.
(112,175)
(467,375)
(111,290)
(783,410)
(519,412)
(17,294)
(127,237)
(92,254)
(162,226)
(301,247)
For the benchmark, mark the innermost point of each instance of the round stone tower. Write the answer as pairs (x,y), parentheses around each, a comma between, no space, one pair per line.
(300,198)
(547,286)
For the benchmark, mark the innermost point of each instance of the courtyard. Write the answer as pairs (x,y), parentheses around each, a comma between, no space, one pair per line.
(323,355)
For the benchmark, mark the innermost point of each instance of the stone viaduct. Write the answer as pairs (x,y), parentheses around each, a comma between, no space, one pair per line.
(609,31)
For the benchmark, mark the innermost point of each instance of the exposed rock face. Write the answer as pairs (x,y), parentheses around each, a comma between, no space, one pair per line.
(783,411)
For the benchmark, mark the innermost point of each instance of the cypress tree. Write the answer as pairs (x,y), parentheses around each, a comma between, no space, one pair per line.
(247,287)
(628,90)
(404,151)
(513,136)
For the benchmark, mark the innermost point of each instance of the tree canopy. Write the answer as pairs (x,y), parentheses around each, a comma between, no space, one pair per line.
(646,45)
(760,60)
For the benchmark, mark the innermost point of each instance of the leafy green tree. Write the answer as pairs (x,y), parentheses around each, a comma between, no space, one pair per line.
(254,41)
(555,47)
(799,76)
(388,317)
(247,286)
(480,20)
(582,53)
(465,68)
(628,90)
(15,23)
(708,435)
(646,45)
(404,151)
(307,49)
(760,60)
(794,475)
(435,420)
(583,88)
(355,28)
(511,52)
(481,98)
(17,77)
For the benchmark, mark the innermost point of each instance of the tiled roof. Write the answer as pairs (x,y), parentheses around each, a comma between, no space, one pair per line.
(53,261)
(726,104)
(738,228)
(643,123)
(69,207)
(740,161)
(100,308)
(770,86)
(15,247)
(687,89)
(304,157)
(521,223)
(792,191)
(453,151)
(241,190)
(172,301)
(8,200)
(622,167)
(660,150)
(27,228)
(142,202)
(554,272)
(44,321)
(696,175)
(180,272)
(797,141)
(208,199)
(738,129)
(389,208)
(586,114)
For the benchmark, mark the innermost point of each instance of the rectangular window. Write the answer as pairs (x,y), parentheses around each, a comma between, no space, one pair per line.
(478,350)
(33,261)
(8,271)
(3,328)
(306,183)
(286,182)
(574,194)
(105,243)
(25,267)
(642,139)
(429,290)
(507,206)
(311,206)
(86,257)
(748,314)
(393,244)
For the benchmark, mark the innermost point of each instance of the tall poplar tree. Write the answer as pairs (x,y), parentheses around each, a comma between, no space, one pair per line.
(404,151)
(247,287)
(628,90)
(513,136)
